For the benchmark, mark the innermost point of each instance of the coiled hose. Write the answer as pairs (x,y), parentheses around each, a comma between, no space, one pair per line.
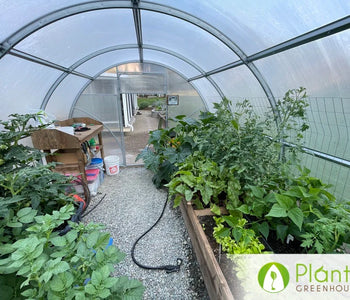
(167,268)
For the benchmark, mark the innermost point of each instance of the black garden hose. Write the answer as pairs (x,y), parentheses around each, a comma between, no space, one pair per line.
(99,202)
(167,268)
(75,218)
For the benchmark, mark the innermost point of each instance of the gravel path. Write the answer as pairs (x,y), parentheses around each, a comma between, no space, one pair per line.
(131,206)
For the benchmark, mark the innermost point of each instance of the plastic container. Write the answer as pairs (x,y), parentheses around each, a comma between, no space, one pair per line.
(112,164)
(97,163)
(92,176)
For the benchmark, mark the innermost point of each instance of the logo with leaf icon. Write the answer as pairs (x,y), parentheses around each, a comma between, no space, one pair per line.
(273,277)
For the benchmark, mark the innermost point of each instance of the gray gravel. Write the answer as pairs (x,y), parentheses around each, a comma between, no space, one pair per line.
(131,206)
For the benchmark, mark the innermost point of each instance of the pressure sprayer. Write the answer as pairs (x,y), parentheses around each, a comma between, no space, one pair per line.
(167,268)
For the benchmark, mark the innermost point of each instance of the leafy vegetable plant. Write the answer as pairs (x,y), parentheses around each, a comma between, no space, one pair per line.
(77,265)
(168,147)
(235,238)
(203,182)
(36,261)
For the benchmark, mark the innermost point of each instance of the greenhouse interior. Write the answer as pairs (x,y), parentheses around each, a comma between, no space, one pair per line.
(145,144)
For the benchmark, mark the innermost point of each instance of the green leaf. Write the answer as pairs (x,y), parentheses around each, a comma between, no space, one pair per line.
(26,215)
(104,293)
(109,282)
(277,211)
(206,194)
(100,256)
(37,251)
(257,191)
(96,278)
(319,247)
(285,201)
(29,293)
(264,229)
(57,284)
(90,289)
(71,236)
(215,209)
(39,262)
(61,267)
(177,200)
(307,243)
(235,124)
(281,231)
(22,271)
(188,195)
(223,232)
(92,239)
(102,240)
(128,289)
(6,249)
(230,220)
(61,282)
(237,234)
(58,241)
(295,191)
(297,216)
(244,209)
(14,224)
(105,271)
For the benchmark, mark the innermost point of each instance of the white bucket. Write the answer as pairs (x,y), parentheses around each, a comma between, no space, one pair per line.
(112,164)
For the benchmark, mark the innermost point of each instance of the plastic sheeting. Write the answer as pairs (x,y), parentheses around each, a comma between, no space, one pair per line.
(50,51)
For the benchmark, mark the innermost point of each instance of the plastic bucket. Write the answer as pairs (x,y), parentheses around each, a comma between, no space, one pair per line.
(96,163)
(112,164)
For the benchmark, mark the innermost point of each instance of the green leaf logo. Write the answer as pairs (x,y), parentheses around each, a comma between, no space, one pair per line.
(273,277)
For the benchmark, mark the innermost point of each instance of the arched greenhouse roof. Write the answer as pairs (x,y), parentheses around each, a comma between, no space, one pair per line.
(223,48)
(51,50)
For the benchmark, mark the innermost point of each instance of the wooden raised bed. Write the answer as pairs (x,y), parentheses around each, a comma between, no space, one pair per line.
(214,279)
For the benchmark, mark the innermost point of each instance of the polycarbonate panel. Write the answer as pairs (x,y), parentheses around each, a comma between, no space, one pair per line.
(186,39)
(23,85)
(238,84)
(106,60)
(207,91)
(141,68)
(190,103)
(66,41)
(322,67)
(178,85)
(161,57)
(106,109)
(101,107)
(62,99)
(16,14)
(256,25)
(143,84)
(103,85)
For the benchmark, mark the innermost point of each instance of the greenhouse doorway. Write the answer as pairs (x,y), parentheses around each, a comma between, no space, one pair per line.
(149,116)
(130,101)
(148,85)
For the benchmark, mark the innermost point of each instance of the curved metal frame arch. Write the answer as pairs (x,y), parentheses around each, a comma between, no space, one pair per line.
(123,47)
(105,4)
(133,61)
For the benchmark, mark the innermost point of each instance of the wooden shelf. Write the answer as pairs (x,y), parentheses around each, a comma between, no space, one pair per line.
(66,148)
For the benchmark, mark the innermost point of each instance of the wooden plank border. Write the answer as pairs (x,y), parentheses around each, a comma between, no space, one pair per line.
(214,279)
